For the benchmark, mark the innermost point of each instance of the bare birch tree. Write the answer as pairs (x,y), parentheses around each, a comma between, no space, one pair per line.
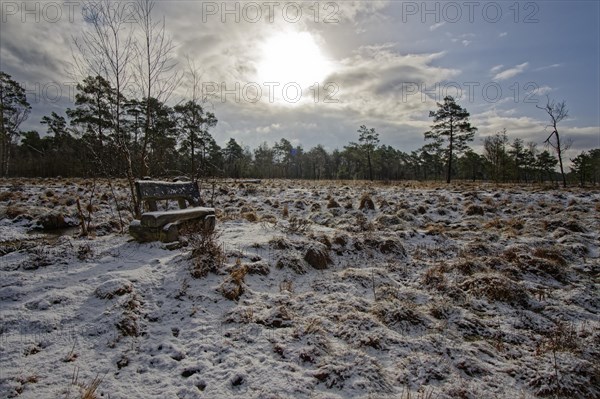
(557,112)
(106,48)
(155,74)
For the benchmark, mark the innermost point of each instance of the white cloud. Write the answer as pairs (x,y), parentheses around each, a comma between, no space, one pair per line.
(466,42)
(496,68)
(548,67)
(436,26)
(351,10)
(542,90)
(503,34)
(511,72)
(268,129)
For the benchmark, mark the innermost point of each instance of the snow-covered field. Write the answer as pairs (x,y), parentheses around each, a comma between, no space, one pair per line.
(461,291)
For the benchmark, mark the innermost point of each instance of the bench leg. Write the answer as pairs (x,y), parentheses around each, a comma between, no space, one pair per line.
(169,232)
(209,222)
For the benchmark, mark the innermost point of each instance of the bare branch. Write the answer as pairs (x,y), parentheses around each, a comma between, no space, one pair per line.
(557,112)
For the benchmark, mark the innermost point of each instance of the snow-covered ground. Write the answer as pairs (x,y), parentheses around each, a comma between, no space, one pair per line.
(458,291)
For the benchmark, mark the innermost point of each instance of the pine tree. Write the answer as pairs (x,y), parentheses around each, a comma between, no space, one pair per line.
(368,140)
(14,110)
(233,154)
(451,123)
(194,123)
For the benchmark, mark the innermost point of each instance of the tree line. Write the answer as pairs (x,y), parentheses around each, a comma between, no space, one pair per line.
(178,142)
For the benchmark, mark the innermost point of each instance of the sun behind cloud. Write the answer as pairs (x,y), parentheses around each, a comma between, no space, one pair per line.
(292,57)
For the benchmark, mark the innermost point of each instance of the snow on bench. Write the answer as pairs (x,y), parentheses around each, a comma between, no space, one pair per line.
(165,225)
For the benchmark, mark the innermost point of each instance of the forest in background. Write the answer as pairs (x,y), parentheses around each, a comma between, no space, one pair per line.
(164,141)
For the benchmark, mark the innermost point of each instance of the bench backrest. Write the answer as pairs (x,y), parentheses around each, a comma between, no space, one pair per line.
(151,191)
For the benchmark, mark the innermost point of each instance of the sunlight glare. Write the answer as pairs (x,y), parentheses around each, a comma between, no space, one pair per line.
(293,57)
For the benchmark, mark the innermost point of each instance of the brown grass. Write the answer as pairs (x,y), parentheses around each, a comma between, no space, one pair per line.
(89,390)
(434,276)
(496,287)
(232,287)
(332,204)
(298,225)
(285,213)
(318,257)
(551,254)
(474,210)
(9,195)
(14,210)
(207,254)
(366,202)
(250,216)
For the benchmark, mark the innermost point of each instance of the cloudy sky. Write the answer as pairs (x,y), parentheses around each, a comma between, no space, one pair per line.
(313,72)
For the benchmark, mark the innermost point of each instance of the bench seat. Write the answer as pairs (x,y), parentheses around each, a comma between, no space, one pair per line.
(161,218)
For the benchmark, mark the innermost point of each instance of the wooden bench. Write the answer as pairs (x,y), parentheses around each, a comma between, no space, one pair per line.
(166,225)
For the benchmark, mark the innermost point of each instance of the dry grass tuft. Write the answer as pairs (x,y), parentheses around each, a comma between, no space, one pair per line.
(563,337)
(297,225)
(323,239)
(317,256)
(468,267)
(128,325)
(474,210)
(399,315)
(291,261)
(366,202)
(542,267)
(286,285)
(250,216)
(239,273)
(9,196)
(233,285)
(280,243)
(89,390)
(495,223)
(551,254)
(285,212)
(207,254)
(434,277)
(340,240)
(363,223)
(496,287)
(332,204)
(14,210)
(572,225)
